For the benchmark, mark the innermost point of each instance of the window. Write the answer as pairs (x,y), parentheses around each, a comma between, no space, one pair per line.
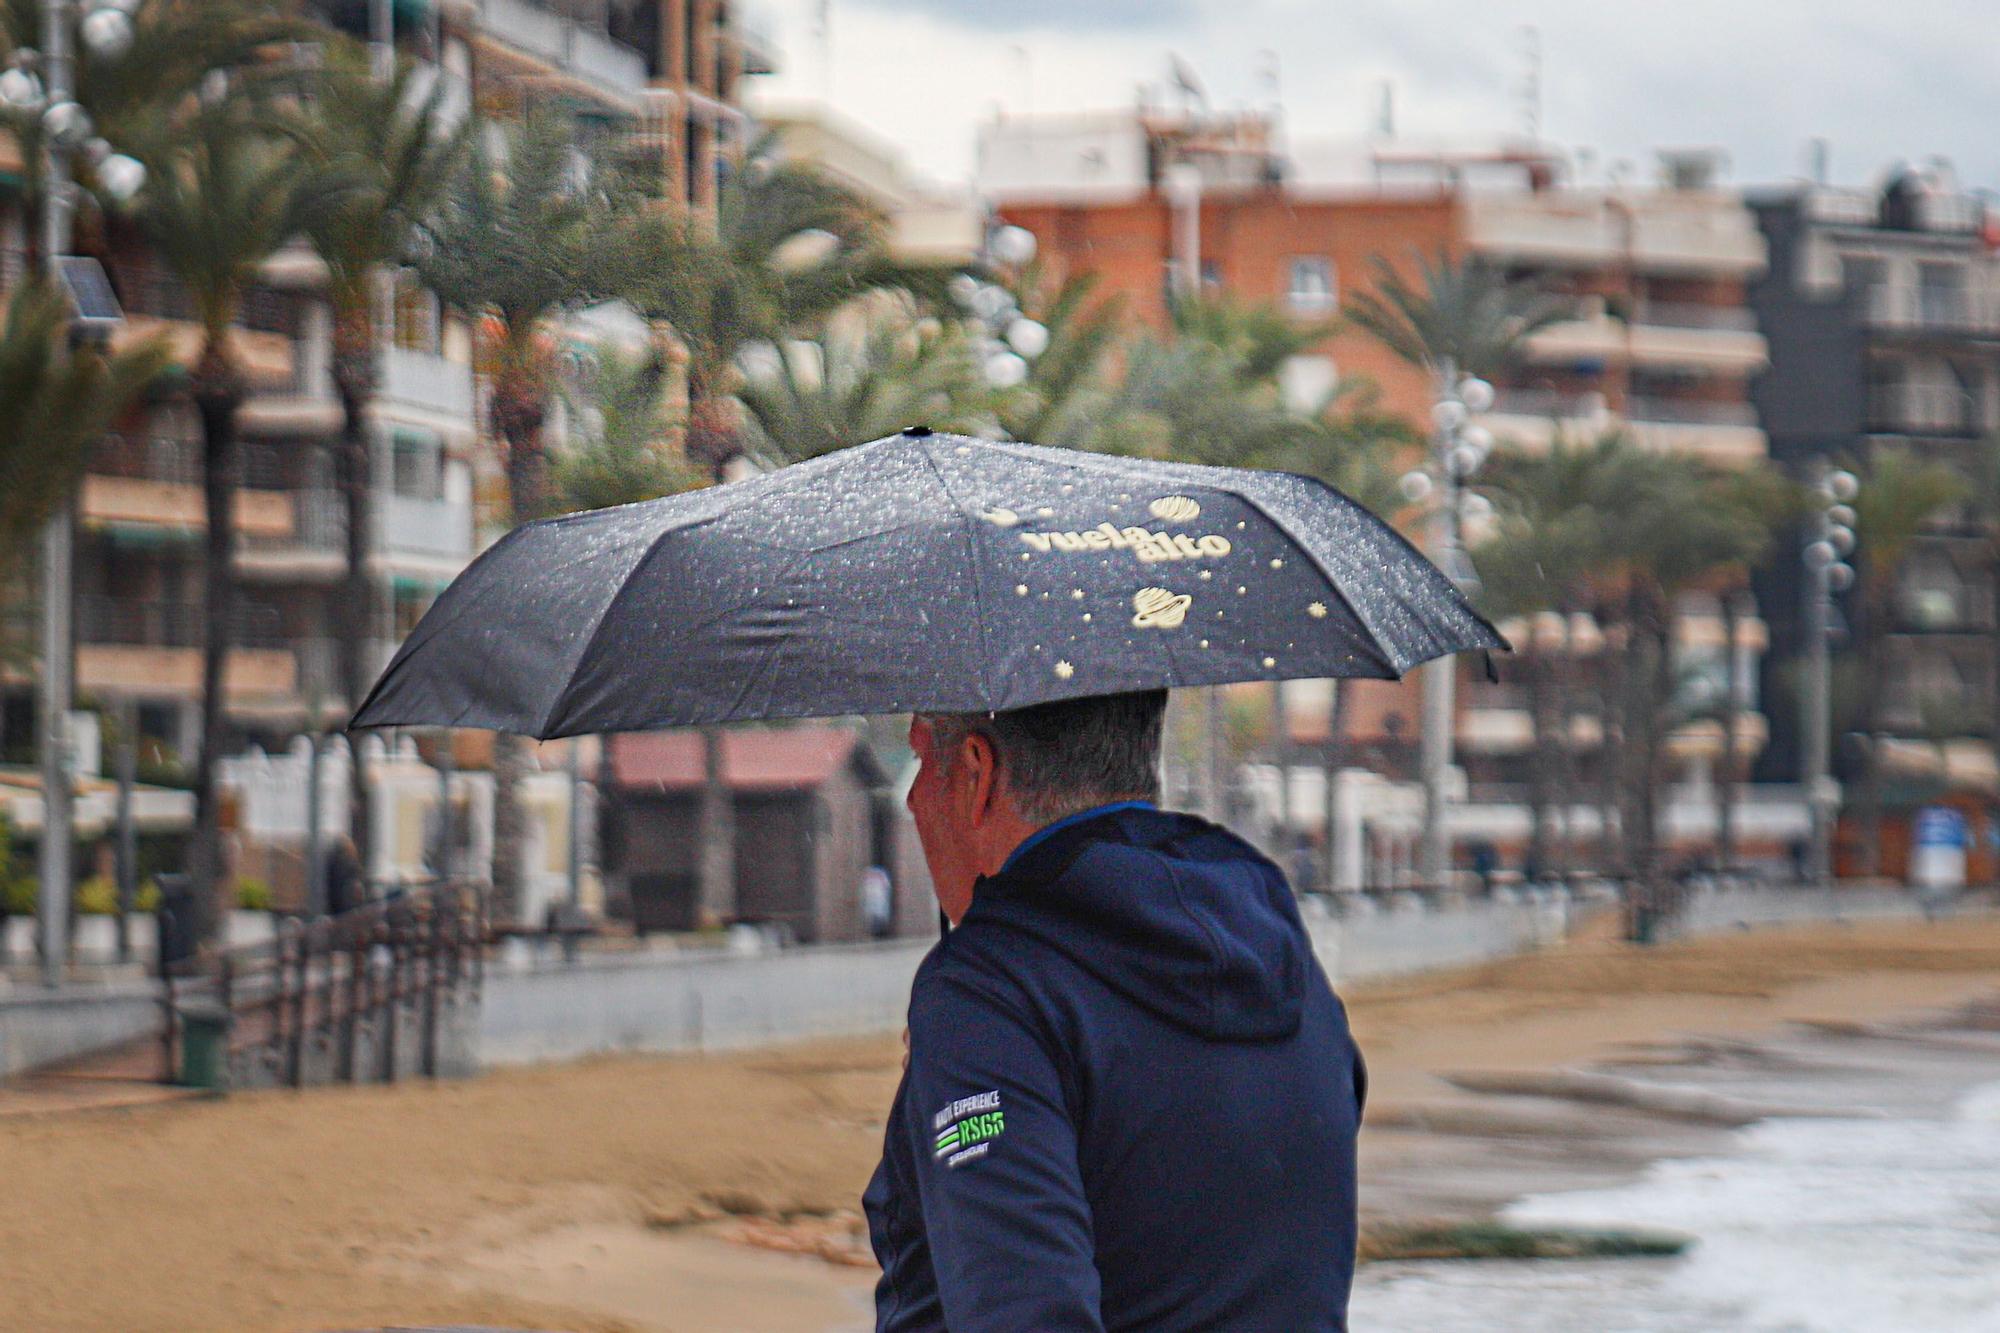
(415,316)
(1309,286)
(419,466)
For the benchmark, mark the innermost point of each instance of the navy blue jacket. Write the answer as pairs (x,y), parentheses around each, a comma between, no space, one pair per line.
(1131,1100)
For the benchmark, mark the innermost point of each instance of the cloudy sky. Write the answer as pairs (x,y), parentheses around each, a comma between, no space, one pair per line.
(1758,78)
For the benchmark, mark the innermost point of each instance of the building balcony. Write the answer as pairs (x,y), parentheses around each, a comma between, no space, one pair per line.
(138,622)
(145,489)
(539,42)
(313,549)
(1654,232)
(438,529)
(428,383)
(1923,409)
(1725,433)
(1942,313)
(1704,339)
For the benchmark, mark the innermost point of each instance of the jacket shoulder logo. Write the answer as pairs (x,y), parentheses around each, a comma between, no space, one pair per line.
(967,1127)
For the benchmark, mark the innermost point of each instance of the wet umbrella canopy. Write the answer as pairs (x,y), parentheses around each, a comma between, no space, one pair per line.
(924,572)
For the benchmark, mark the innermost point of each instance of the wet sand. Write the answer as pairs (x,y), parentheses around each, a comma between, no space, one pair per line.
(643,1194)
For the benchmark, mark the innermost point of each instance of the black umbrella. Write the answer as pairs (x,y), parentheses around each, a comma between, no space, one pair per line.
(925,573)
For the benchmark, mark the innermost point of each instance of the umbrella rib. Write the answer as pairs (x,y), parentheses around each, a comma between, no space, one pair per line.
(1360,618)
(653,547)
(972,563)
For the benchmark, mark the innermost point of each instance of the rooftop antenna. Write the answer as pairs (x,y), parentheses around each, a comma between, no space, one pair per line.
(1531,82)
(1187,82)
(1385,112)
(1818,160)
(1267,76)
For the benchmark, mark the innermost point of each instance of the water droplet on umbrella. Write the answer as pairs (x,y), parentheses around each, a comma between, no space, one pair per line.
(1204,643)
(1240,590)
(1086,617)
(1317,610)
(1064,671)
(1046,512)
(1020,590)
(1270,661)
(1206,575)
(1277,564)
(1076,594)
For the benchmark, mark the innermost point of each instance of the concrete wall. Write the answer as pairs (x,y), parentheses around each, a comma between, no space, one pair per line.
(662,1002)
(42,1027)
(1402,942)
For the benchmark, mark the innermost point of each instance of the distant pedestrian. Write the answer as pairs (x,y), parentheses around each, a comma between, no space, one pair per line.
(878,902)
(1485,860)
(1797,850)
(346,885)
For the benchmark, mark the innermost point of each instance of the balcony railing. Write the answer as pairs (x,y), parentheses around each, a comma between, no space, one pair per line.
(1922,409)
(562,42)
(426,527)
(1940,310)
(173,459)
(427,381)
(1546,403)
(1690,412)
(163,297)
(157,624)
(1682,315)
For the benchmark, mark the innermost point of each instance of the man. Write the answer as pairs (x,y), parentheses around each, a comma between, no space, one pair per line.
(1131,1097)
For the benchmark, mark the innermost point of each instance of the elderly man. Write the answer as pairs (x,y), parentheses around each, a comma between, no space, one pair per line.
(1131,1097)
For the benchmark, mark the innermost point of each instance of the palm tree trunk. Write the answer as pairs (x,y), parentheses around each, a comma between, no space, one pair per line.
(1534,674)
(510,828)
(1610,745)
(1336,750)
(716,834)
(1563,685)
(1726,788)
(217,396)
(354,382)
(518,413)
(1872,657)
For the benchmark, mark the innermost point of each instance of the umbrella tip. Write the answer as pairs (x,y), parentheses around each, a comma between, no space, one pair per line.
(917,432)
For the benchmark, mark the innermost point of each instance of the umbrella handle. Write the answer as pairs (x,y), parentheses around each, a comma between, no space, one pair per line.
(944,924)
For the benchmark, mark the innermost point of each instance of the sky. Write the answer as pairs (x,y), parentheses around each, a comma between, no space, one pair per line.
(1881,82)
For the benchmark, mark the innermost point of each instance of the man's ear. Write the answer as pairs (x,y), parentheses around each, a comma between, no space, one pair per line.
(980,764)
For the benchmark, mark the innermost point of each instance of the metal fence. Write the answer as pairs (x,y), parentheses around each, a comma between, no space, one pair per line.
(373,995)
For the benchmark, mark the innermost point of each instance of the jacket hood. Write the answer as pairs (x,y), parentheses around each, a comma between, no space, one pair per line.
(1178,915)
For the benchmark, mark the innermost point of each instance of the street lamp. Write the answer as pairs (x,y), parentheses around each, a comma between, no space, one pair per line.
(66,129)
(1459,448)
(1830,536)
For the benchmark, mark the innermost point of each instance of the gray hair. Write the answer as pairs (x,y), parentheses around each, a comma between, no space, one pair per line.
(1067,756)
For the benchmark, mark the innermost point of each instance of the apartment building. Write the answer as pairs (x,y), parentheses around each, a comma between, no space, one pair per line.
(1662,346)
(141,516)
(1882,307)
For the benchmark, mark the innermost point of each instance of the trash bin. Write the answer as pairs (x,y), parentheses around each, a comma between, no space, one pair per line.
(204,1044)
(175,920)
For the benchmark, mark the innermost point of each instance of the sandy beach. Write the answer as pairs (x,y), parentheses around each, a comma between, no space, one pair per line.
(644,1194)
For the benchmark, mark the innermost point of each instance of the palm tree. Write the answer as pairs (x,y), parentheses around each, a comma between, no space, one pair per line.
(626,453)
(861,382)
(1671,524)
(1068,380)
(222,197)
(1460,317)
(176,45)
(1900,496)
(1544,548)
(517,243)
(381,156)
(53,406)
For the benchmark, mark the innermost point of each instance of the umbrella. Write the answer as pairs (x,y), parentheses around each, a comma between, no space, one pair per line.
(920,573)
